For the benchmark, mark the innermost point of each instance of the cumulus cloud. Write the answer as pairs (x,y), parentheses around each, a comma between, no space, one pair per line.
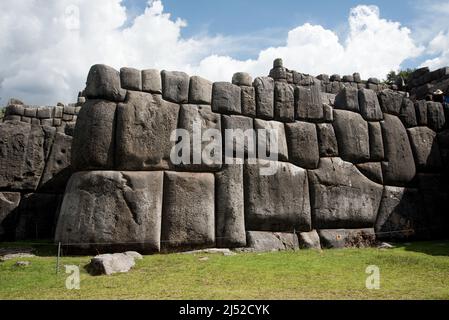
(439,47)
(47,49)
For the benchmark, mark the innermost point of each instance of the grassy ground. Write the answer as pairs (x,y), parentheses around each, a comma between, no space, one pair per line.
(410,271)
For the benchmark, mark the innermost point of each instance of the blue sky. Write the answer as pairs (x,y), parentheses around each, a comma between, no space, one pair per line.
(47,49)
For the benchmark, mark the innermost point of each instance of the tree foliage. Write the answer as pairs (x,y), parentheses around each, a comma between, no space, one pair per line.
(393,77)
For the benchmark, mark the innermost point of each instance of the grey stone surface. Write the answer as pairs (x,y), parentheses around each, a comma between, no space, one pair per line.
(44,112)
(327,140)
(284,102)
(230,207)
(278,202)
(435,116)
(152,81)
(188,219)
(200,91)
(240,126)
(264,87)
(175,86)
(369,105)
(341,197)
(116,210)
(328,113)
(372,170)
(131,79)
(242,79)
(144,125)
(425,148)
(15,110)
(376,143)
(226,98)
(408,113)
(309,240)
(22,155)
(347,99)
(347,238)
(206,119)
(108,264)
(302,141)
(268,241)
(352,136)
(399,167)
(9,202)
(308,103)
(399,213)
(279,138)
(391,101)
(248,101)
(93,145)
(103,82)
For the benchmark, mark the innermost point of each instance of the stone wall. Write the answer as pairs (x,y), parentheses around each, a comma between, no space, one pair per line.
(423,82)
(366,161)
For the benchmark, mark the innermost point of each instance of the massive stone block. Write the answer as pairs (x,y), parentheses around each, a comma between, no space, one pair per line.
(408,113)
(57,170)
(22,155)
(435,116)
(9,201)
(242,127)
(248,101)
(188,215)
(242,79)
(175,86)
(131,79)
(206,119)
(327,140)
(391,101)
(376,144)
(425,148)
(352,136)
(112,210)
(151,81)
(94,137)
(200,91)
(259,241)
(302,141)
(103,82)
(400,214)
(369,105)
(144,125)
(347,99)
(278,202)
(230,207)
(347,238)
(226,98)
(372,170)
(264,87)
(341,197)
(399,167)
(37,216)
(308,103)
(421,112)
(279,138)
(284,102)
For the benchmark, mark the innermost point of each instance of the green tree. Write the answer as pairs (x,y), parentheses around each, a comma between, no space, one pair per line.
(394,76)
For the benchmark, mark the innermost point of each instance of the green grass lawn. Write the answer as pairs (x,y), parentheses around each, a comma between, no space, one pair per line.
(412,271)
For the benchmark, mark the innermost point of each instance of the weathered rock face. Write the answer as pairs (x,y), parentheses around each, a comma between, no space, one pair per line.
(435,116)
(9,201)
(175,86)
(425,148)
(278,202)
(94,138)
(369,105)
(131,79)
(200,91)
(327,140)
(22,155)
(111,210)
(348,99)
(188,219)
(269,241)
(278,138)
(399,167)
(103,82)
(264,87)
(391,101)
(347,238)
(309,240)
(308,104)
(109,264)
(372,170)
(408,113)
(376,144)
(341,197)
(226,98)
(284,99)
(141,142)
(352,136)
(302,143)
(151,81)
(244,138)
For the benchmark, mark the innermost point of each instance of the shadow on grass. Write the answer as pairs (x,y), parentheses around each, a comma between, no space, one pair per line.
(39,248)
(433,248)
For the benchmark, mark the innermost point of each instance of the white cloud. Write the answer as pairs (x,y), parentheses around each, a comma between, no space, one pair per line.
(45,58)
(439,47)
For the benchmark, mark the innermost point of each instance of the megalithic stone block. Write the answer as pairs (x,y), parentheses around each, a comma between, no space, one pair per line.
(284,99)
(348,99)
(200,91)
(302,143)
(264,87)
(376,142)
(152,81)
(93,145)
(230,207)
(248,101)
(226,98)
(278,202)
(103,82)
(435,116)
(145,123)
(131,79)
(188,219)
(175,86)
(408,113)
(112,211)
(347,238)
(308,103)
(279,139)
(391,101)
(369,105)
(327,140)
(425,148)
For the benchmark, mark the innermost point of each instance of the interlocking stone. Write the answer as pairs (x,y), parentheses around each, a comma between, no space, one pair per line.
(103,82)
(302,143)
(284,102)
(226,98)
(200,91)
(131,79)
(175,86)
(308,104)
(152,81)
(264,87)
